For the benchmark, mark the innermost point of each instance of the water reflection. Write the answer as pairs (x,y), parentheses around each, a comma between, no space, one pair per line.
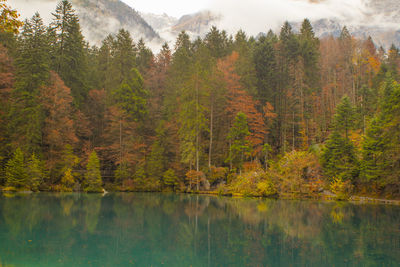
(185,230)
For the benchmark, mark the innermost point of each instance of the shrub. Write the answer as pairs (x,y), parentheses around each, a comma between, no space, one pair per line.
(342,189)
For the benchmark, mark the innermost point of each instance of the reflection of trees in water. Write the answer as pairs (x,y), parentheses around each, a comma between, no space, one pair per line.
(201,230)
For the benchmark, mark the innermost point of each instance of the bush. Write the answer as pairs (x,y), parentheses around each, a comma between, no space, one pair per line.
(342,189)
(267,188)
(217,174)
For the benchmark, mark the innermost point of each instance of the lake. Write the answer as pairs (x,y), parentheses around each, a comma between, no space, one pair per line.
(154,229)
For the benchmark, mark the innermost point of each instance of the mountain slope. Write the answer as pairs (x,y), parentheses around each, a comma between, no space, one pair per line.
(97,17)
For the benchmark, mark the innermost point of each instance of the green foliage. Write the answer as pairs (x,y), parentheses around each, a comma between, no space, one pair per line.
(122,173)
(16,171)
(68,50)
(339,158)
(131,95)
(93,182)
(170,179)
(240,146)
(344,117)
(381,143)
(36,172)
(32,62)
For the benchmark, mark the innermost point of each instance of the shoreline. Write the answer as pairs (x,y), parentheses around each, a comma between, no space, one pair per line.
(320,197)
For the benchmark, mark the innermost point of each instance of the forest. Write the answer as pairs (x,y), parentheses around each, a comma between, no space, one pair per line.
(281,115)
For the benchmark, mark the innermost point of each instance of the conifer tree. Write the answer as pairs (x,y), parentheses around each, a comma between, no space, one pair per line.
(26,115)
(36,173)
(239,144)
(69,54)
(93,182)
(170,179)
(339,158)
(16,171)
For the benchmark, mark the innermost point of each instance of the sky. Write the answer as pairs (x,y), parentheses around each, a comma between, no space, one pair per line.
(256,15)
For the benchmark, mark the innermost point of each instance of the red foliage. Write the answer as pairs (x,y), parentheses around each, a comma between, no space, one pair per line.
(240,100)
(59,126)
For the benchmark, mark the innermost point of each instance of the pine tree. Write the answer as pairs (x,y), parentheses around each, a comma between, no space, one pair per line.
(36,173)
(157,160)
(381,143)
(131,96)
(339,158)
(170,179)
(69,54)
(26,115)
(93,182)
(239,144)
(344,117)
(16,171)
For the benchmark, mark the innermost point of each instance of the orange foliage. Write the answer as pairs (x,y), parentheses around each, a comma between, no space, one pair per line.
(59,126)
(240,100)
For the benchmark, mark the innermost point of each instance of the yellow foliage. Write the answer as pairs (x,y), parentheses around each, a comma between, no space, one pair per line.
(342,189)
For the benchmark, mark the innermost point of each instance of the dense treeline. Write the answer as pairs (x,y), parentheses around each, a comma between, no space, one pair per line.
(248,115)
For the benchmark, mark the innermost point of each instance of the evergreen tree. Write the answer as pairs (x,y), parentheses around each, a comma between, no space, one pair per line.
(157,160)
(339,158)
(344,117)
(93,182)
(239,144)
(26,115)
(69,54)
(170,179)
(36,173)
(381,143)
(131,96)
(16,171)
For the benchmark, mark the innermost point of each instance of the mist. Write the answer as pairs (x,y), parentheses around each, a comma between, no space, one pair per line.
(254,16)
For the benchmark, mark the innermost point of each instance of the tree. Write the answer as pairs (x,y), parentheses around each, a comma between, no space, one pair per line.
(381,143)
(26,115)
(58,128)
(131,96)
(170,179)
(339,158)
(9,18)
(16,171)
(92,182)
(344,117)
(238,140)
(36,173)
(69,55)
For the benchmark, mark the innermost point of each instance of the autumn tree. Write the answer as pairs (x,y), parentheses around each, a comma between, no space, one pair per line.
(9,21)
(58,128)
(93,182)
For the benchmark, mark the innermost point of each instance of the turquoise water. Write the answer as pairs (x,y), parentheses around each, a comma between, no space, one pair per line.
(138,229)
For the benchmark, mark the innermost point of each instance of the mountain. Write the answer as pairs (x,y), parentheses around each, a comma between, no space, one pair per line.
(98,18)
(195,25)
(379,19)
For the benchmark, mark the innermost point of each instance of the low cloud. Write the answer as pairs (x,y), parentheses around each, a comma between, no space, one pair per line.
(256,16)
